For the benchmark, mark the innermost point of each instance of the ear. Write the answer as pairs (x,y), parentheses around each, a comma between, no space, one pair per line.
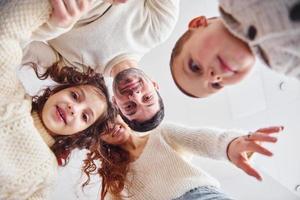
(155,84)
(197,22)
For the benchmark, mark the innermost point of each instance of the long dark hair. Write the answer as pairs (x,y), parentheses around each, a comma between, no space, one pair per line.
(113,169)
(88,138)
(114,161)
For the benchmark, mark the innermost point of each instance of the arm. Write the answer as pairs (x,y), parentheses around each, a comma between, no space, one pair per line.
(63,17)
(17,21)
(41,54)
(160,17)
(216,143)
(27,164)
(208,142)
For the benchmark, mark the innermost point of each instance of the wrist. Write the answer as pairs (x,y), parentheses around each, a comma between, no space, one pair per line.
(228,147)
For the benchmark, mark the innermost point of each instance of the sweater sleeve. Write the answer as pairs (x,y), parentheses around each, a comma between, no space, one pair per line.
(27,164)
(161,17)
(18,20)
(40,53)
(207,142)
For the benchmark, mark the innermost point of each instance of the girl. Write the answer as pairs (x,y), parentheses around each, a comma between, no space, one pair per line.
(153,166)
(35,139)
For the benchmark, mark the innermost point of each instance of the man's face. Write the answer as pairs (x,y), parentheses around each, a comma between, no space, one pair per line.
(211,59)
(135,95)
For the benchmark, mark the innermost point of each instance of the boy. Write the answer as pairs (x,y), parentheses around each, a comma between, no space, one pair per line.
(217,52)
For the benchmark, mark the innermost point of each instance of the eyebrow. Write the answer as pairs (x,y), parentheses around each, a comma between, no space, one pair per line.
(82,93)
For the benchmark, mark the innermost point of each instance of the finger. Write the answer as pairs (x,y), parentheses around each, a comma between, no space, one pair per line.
(254,147)
(246,167)
(83,5)
(261,137)
(72,7)
(272,129)
(59,8)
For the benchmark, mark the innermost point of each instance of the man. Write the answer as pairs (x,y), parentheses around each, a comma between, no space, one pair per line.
(114,37)
(218,52)
(135,94)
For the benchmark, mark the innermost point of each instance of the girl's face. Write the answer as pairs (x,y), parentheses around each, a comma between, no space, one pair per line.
(119,132)
(73,109)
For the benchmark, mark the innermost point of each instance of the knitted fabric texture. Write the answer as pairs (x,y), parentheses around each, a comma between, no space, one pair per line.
(125,32)
(27,165)
(164,171)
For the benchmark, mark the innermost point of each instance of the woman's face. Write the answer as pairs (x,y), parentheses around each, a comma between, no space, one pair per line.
(73,109)
(119,132)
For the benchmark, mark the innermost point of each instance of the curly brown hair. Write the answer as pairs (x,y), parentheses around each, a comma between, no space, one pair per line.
(89,138)
(113,169)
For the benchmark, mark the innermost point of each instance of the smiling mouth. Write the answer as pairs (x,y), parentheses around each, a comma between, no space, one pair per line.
(61,114)
(225,67)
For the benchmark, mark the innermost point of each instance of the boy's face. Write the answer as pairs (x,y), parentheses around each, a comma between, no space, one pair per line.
(210,59)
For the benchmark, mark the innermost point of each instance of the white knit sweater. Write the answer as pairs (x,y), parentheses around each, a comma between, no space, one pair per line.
(125,31)
(162,172)
(27,165)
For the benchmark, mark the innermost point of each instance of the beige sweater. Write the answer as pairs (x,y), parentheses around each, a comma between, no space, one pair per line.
(27,165)
(125,31)
(163,171)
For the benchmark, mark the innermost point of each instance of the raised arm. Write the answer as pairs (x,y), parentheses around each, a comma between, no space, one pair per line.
(18,19)
(160,17)
(207,142)
(222,144)
(63,17)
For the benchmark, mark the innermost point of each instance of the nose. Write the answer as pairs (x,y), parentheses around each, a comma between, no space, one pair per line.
(134,95)
(214,76)
(72,109)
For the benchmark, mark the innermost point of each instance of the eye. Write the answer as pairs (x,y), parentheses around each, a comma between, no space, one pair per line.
(74,95)
(216,86)
(128,107)
(147,98)
(85,117)
(194,67)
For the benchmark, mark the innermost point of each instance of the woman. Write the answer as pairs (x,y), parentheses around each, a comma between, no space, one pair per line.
(153,166)
(36,139)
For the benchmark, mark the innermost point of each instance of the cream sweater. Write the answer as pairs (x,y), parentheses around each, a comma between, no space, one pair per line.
(125,31)
(162,170)
(27,165)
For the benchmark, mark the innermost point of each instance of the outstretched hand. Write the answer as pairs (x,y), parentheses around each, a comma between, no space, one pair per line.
(239,148)
(67,12)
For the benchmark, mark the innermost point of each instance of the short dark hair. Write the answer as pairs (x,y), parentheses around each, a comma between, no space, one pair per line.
(175,52)
(149,124)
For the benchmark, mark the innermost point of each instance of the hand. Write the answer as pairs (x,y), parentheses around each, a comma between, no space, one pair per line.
(239,147)
(67,12)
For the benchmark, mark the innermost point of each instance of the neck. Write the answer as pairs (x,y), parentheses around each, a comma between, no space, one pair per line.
(135,143)
(121,66)
(45,134)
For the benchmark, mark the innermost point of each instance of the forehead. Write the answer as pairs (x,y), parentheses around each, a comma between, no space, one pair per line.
(93,98)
